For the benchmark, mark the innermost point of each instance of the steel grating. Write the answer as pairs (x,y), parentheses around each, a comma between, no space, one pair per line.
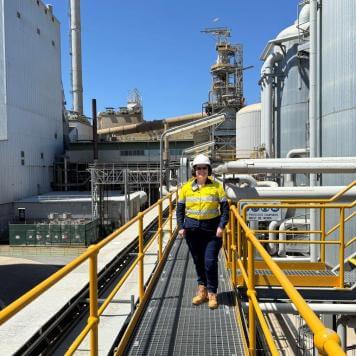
(294,272)
(171,325)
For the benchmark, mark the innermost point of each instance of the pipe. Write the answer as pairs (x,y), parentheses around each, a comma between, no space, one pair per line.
(267,183)
(322,308)
(295,152)
(95,131)
(267,80)
(283,236)
(272,236)
(313,91)
(235,193)
(342,332)
(289,165)
(182,118)
(76,51)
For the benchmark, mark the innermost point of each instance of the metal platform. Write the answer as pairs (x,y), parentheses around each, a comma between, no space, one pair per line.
(171,325)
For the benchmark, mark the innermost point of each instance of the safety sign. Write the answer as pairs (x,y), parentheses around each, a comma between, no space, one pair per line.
(264,214)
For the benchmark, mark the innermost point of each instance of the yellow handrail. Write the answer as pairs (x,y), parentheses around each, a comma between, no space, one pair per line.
(91,254)
(325,339)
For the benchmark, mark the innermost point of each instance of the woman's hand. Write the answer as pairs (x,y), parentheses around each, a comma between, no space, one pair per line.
(219,232)
(181,233)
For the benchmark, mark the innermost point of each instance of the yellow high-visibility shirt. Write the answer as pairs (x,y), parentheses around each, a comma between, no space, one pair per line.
(202,203)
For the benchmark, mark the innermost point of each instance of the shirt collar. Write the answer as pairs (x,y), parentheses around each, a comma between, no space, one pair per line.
(195,183)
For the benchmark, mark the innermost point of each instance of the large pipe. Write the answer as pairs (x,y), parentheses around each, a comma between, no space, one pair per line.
(235,193)
(322,308)
(182,118)
(267,80)
(313,91)
(296,152)
(293,165)
(76,51)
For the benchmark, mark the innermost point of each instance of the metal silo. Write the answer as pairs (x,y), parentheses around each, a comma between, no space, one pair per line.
(248,130)
(338,95)
(292,91)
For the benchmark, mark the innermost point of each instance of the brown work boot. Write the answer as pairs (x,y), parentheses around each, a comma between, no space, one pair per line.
(213,300)
(201,297)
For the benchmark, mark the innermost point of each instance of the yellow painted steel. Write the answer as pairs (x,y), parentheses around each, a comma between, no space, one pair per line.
(160,231)
(342,247)
(264,326)
(141,287)
(91,253)
(350,242)
(306,242)
(325,340)
(323,236)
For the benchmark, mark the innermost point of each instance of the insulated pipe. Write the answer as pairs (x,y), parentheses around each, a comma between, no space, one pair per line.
(292,165)
(296,152)
(283,236)
(322,308)
(313,91)
(76,52)
(267,80)
(342,331)
(246,178)
(235,193)
(272,236)
(267,183)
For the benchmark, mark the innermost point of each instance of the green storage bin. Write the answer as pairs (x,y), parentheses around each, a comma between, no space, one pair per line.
(78,234)
(65,234)
(31,236)
(17,235)
(55,234)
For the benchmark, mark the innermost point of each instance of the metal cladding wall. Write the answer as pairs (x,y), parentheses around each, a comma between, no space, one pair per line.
(338,95)
(248,130)
(31,129)
(292,93)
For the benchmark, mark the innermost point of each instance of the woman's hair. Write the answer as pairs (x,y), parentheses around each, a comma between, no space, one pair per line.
(210,171)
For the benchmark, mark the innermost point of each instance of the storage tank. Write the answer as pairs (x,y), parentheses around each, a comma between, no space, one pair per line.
(248,131)
(292,91)
(338,96)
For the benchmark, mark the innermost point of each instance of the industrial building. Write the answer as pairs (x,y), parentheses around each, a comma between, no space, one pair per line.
(31,118)
(287,268)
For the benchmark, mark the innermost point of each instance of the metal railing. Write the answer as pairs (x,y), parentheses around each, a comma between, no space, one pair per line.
(326,340)
(91,254)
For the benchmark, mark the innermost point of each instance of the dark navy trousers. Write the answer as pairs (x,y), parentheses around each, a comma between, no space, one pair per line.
(204,247)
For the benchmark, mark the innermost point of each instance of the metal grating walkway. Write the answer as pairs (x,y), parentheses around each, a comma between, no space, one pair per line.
(171,325)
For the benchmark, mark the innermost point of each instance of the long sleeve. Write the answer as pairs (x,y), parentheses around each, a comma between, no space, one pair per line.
(180,215)
(224,217)
(181,209)
(224,208)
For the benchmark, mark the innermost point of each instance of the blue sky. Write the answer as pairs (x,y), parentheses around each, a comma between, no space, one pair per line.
(156,46)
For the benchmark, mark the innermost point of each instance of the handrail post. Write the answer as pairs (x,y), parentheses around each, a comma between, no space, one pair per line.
(244,242)
(342,247)
(250,291)
(141,290)
(233,247)
(93,300)
(228,243)
(322,228)
(160,232)
(170,217)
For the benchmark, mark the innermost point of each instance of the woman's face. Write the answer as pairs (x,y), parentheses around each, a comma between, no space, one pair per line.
(201,171)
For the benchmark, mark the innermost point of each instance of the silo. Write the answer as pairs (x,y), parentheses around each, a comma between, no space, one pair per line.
(338,95)
(292,90)
(248,130)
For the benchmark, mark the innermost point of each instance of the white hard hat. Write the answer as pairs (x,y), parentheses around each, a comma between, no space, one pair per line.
(201,159)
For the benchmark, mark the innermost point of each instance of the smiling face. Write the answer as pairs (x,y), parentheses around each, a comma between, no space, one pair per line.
(201,172)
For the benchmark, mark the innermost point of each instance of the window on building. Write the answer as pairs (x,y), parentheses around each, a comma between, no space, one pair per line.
(38,31)
(42,155)
(18,15)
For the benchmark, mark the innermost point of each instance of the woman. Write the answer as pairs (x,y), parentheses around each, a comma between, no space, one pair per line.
(202,213)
